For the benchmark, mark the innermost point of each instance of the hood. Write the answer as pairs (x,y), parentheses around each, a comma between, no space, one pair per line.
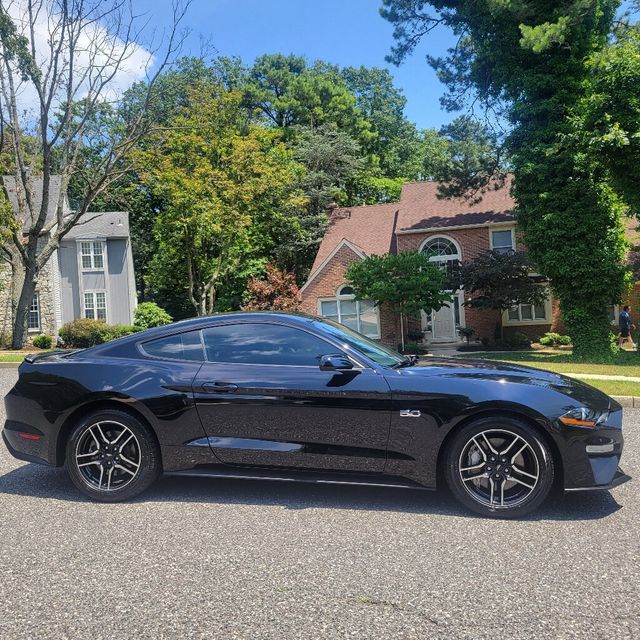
(509,373)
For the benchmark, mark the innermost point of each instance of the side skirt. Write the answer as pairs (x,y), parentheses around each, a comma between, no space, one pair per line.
(246,473)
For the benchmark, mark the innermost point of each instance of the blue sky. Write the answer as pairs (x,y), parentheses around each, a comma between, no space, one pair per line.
(344,32)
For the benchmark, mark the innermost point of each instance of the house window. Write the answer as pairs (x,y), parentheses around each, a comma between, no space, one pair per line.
(441,249)
(502,241)
(95,305)
(359,315)
(92,255)
(528,313)
(34,313)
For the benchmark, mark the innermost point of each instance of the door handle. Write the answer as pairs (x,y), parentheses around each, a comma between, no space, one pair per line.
(219,387)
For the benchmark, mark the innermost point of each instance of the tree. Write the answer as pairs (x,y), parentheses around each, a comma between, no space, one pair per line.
(408,281)
(530,62)
(277,291)
(499,281)
(69,80)
(230,194)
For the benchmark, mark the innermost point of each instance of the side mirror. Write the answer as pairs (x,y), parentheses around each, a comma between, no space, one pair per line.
(335,362)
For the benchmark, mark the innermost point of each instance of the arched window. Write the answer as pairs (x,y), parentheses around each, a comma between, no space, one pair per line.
(359,315)
(441,249)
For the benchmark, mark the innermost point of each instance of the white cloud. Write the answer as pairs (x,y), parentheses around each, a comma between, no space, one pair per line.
(98,42)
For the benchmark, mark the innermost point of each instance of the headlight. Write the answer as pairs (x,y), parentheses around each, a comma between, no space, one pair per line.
(584,417)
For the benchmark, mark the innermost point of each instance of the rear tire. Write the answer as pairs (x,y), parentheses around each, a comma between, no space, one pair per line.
(499,467)
(112,456)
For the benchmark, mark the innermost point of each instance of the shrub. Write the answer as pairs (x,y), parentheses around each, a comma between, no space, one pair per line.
(466,332)
(554,339)
(415,336)
(42,342)
(84,333)
(517,340)
(149,314)
(413,347)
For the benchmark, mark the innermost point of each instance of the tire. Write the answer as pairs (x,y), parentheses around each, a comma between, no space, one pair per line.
(485,474)
(112,456)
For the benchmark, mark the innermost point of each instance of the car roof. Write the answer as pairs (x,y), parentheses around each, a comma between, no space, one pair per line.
(192,324)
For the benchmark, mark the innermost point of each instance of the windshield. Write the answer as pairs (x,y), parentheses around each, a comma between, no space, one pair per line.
(373,350)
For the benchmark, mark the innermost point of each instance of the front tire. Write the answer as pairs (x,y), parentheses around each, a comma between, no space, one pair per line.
(499,467)
(112,456)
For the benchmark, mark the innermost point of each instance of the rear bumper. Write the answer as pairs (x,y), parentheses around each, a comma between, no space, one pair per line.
(28,450)
(619,477)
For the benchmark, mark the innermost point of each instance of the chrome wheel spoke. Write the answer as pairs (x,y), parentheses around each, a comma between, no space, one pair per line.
(124,444)
(131,462)
(86,464)
(480,449)
(109,478)
(524,484)
(514,457)
(525,473)
(491,447)
(478,477)
(473,468)
(505,451)
(119,466)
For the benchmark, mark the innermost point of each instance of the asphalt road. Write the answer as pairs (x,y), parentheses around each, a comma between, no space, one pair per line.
(243,559)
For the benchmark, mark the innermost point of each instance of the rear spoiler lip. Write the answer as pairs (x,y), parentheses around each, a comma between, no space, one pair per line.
(59,354)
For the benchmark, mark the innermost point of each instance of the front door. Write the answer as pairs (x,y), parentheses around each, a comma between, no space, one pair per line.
(263,401)
(443,324)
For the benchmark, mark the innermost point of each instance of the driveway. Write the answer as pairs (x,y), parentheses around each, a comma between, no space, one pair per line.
(246,559)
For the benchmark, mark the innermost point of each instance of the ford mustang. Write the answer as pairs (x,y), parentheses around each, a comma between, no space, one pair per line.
(292,397)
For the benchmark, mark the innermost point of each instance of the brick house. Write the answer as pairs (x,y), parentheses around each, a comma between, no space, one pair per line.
(446,229)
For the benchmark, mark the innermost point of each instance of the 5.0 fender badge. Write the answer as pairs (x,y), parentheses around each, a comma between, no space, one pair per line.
(409,413)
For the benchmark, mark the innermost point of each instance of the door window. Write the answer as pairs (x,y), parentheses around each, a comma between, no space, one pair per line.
(180,346)
(264,344)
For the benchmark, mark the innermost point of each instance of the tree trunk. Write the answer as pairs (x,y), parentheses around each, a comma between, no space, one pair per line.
(22,305)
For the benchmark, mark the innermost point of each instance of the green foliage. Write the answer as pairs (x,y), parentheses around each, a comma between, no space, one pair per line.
(42,342)
(517,340)
(231,197)
(149,314)
(466,332)
(499,281)
(551,339)
(409,281)
(277,291)
(84,333)
(533,63)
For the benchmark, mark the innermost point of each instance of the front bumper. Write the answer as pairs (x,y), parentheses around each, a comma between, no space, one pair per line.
(619,477)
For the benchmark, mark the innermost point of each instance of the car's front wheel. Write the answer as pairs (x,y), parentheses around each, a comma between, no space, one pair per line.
(499,467)
(112,456)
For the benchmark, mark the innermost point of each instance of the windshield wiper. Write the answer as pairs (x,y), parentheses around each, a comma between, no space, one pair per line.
(408,361)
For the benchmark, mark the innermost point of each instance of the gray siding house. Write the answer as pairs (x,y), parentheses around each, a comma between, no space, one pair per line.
(90,275)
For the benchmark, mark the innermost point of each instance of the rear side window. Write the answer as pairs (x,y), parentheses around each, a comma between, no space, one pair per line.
(264,344)
(180,346)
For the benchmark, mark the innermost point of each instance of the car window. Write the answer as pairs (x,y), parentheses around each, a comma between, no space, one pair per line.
(377,352)
(264,344)
(180,346)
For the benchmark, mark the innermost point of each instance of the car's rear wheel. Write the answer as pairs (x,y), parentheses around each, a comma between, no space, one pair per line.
(112,456)
(499,467)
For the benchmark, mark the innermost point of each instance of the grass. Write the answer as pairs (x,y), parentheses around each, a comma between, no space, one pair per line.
(616,387)
(15,356)
(627,363)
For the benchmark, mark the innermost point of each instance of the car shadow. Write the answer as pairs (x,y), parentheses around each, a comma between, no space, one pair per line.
(35,481)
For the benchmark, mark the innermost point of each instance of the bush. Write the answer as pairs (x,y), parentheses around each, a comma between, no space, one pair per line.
(517,340)
(413,347)
(84,333)
(554,339)
(149,314)
(42,342)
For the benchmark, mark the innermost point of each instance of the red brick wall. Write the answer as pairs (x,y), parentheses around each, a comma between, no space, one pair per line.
(327,282)
(472,242)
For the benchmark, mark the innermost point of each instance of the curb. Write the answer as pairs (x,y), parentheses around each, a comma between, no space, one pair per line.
(629,402)
(10,365)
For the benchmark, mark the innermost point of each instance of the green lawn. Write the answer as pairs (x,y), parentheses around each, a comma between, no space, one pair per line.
(12,356)
(615,388)
(626,364)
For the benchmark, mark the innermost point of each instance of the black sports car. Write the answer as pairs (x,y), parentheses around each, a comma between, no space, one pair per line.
(286,396)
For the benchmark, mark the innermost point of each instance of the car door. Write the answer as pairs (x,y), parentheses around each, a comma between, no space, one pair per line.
(263,400)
